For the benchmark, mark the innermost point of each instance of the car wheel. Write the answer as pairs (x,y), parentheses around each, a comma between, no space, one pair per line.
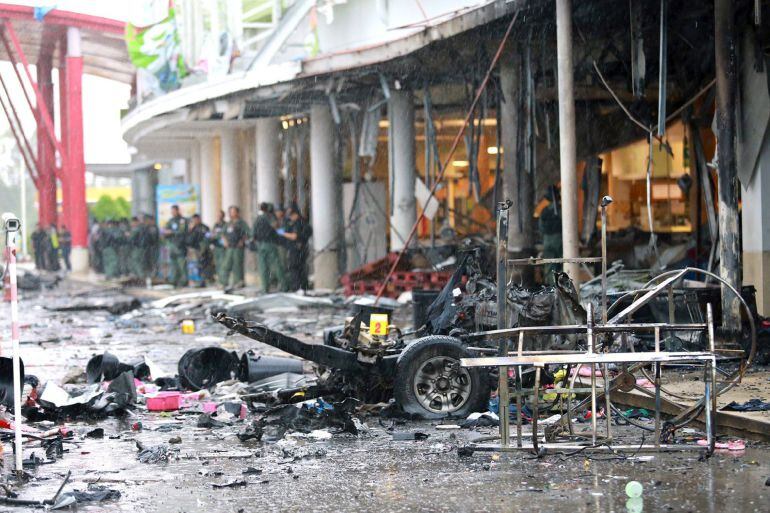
(430,382)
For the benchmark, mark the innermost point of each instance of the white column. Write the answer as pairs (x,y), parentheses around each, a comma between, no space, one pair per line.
(268,160)
(756,230)
(302,174)
(194,163)
(209,189)
(325,184)
(402,154)
(567,151)
(247,177)
(228,154)
(74,42)
(143,192)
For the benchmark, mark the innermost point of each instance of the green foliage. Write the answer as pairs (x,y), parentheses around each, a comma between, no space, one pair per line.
(108,208)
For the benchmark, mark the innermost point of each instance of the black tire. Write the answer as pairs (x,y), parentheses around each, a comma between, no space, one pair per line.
(473,380)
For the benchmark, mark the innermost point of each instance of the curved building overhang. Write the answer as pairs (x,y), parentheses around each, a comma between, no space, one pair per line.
(276,79)
(102,39)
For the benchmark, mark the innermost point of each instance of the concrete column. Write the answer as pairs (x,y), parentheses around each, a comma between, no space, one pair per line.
(143,192)
(302,173)
(517,182)
(194,165)
(209,191)
(268,160)
(228,155)
(567,151)
(325,193)
(402,167)
(247,197)
(756,230)
(726,96)
(246,174)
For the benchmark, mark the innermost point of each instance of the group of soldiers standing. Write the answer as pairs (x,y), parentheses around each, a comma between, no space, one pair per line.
(126,248)
(279,238)
(48,245)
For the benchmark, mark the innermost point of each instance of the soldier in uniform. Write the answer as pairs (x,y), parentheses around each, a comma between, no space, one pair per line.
(297,234)
(236,233)
(136,242)
(175,234)
(198,246)
(267,240)
(39,237)
(109,242)
(549,225)
(217,243)
(65,245)
(151,248)
(123,248)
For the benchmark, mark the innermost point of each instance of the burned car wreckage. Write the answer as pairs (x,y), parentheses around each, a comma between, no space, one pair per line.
(421,368)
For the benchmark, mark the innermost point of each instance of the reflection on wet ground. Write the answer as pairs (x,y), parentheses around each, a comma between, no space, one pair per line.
(366,473)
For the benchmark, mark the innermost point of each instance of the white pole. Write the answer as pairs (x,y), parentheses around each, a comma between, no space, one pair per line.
(567,151)
(23,216)
(10,251)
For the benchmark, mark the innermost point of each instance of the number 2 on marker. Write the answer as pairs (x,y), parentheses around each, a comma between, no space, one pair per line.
(378,324)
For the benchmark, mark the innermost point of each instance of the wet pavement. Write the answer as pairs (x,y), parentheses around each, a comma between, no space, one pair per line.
(370,472)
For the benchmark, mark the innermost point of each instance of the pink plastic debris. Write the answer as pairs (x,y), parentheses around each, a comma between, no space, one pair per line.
(585,371)
(164,401)
(733,445)
(645,383)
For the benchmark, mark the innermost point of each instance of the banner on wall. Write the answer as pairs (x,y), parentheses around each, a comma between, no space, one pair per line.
(154,47)
(187,196)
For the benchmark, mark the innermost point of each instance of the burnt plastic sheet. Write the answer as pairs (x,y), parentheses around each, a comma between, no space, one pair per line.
(752,405)
(90,401)
(203,368)
(275,422)
(106,367)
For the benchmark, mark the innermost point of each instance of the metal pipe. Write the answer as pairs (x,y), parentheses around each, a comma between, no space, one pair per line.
(18,143)
(23,137)
(604,203)
(567,144)
(607,401)
(591,350)
(41,107)
(663,67)
(518,393)
(502,262)
(535,410)
(503,401)
(10,254)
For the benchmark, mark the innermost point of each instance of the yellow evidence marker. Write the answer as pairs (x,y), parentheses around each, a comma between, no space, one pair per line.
(378,324)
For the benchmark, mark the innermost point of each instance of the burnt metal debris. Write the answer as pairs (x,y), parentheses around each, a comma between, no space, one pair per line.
(438,369)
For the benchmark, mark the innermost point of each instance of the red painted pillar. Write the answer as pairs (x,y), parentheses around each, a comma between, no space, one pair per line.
(45,149)
(66,209)
(72,141)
